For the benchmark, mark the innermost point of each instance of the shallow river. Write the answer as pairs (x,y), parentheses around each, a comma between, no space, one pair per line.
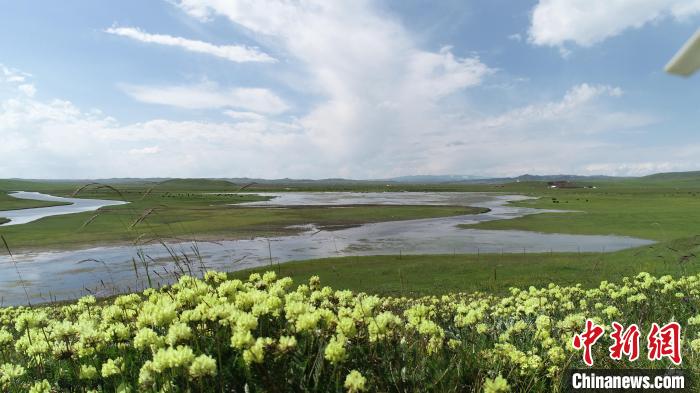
(105,270)
(77,205)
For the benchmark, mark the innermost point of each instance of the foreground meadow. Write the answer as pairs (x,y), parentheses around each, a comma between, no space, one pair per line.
(265,335)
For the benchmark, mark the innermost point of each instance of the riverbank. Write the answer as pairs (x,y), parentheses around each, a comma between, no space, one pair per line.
(419,275)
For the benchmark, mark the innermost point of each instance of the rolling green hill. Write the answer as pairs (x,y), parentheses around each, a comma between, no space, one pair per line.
(674,176)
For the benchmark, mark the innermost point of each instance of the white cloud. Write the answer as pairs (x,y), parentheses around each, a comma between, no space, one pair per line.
(55,138)
(588,22)
(572,106)
(562,135)
(208,96)
(235,53)
(12,75)
(145,150)
(440,74)
(243,115)
(375,85)
(27,89)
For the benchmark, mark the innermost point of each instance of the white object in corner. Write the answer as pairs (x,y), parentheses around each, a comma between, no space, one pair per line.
(687,60)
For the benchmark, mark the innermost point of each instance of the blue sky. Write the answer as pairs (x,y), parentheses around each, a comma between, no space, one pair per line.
(361,89)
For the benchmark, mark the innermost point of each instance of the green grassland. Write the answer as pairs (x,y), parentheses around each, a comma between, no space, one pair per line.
(658,214)
(154,214)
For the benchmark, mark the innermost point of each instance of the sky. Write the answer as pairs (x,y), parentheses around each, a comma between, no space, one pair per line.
(355,89)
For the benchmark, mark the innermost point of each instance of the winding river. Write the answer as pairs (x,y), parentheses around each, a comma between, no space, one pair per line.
(107,270)
(76,205)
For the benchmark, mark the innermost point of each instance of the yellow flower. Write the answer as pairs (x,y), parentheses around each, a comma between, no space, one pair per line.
(314,282)
(355,382)
(269,277)
(256,353)
(611,311)
(242,339)
(170,358)
(287,343)
(202,365)
(178,332)
(9,372)
(87,372)
(5,337)
(214,277)
(147,338)
(41,387)
(307,321)
(695,345)
(159,313)
(346,326)
(497,385)
(335,350)
(146,377)
(112,367)
(454,344)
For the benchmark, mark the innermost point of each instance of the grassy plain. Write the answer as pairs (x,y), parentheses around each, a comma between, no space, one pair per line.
(658,214)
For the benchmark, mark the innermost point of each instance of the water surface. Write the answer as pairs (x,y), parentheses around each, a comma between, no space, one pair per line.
(77,205)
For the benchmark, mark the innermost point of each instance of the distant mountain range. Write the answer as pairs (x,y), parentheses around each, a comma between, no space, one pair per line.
(412,179)
(489,180)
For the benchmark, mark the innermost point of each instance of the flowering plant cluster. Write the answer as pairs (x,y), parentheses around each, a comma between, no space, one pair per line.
(218,334)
